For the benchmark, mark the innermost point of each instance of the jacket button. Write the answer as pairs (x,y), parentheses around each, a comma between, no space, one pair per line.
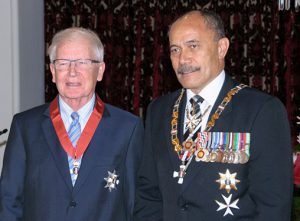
(184,207)
(73,204)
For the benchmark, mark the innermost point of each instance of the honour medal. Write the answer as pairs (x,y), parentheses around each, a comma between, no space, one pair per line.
(236,158)
(243,157)
(231,157)
(213,156)
(199,154)
(180,174)
(188,144)
(206,157)
(228,205)
(219,156)
(225,157)
(111,180)
(76,167)
(228,181)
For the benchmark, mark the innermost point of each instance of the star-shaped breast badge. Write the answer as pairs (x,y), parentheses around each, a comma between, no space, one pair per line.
(111,180)
(227,205)
(228,181)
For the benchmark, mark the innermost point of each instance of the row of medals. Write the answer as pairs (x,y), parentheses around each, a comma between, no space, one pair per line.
(215,155)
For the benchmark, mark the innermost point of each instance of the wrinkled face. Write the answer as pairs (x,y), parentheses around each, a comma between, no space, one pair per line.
(197,57)
(76,84)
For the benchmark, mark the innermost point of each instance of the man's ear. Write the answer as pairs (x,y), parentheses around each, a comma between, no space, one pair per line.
(101,71)
(223,45)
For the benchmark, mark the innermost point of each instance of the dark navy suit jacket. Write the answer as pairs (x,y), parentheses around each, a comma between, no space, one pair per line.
(36,184)
(265,188)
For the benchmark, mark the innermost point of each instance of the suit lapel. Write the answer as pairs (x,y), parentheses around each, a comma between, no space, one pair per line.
(195,167)
(58,153)
(89,159)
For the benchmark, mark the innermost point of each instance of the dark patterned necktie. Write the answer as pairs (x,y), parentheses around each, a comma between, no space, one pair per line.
(195,103)
(194,113)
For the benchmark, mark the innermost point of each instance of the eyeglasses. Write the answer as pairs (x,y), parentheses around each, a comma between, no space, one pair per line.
(80,64)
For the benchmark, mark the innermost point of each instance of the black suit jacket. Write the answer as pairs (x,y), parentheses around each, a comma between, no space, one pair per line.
(265,188)
(36,185)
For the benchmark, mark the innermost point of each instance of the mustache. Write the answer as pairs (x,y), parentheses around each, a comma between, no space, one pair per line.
(186,69)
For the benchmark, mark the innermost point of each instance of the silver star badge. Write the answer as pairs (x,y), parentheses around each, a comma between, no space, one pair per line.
(192,122)
(111,180)
(228,205)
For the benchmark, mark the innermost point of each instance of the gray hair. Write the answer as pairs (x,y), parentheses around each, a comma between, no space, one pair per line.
(73,33)
(212,20)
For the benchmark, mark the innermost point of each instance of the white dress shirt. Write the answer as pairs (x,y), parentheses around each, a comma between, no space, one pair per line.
(209,93)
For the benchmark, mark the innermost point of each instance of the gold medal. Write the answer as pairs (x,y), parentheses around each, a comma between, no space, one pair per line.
(206,157)
(199,154)
(188,144)
(213,156)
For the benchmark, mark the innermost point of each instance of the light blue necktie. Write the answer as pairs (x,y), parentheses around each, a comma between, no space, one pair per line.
(74,134)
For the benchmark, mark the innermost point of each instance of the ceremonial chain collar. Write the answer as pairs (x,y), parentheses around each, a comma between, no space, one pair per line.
(210,124)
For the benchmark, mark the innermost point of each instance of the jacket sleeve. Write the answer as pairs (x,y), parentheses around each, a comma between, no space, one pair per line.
(12,177)
(271,167)
(148,205)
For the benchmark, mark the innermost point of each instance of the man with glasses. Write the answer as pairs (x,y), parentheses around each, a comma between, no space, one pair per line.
(75,158)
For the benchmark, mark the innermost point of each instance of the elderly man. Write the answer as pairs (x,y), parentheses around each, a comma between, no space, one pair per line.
(75,158)
(216,149)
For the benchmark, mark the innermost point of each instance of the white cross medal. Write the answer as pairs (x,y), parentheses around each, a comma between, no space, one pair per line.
(182,169)
(180,174)
(111,180)
(227,205)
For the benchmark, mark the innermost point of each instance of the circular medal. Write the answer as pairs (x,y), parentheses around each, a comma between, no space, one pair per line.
(213,156)
(243,157)
(231,157)
(206,157)
(188,144)
(199,154)
(225,157)
(219,156)
(236,158)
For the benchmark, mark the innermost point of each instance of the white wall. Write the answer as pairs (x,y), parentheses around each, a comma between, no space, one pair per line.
(21,59)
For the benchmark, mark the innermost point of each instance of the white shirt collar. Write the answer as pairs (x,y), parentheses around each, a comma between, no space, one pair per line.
(211,91)
(84,112)
(209,94)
